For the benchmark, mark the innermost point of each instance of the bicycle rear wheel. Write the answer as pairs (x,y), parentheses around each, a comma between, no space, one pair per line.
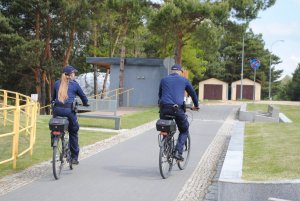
(165,158)
(185,154)
(57,159)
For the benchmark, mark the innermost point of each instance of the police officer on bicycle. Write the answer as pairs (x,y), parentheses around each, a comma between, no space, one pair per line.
(63,99)
(171,102)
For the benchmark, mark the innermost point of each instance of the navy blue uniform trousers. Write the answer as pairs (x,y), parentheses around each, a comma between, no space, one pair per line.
(73,128)
(182,124)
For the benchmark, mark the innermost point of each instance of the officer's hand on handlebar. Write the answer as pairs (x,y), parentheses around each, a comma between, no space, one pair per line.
(195,108)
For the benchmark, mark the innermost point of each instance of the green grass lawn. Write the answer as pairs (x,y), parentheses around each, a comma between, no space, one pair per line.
(127,121)
(42,149)
(271,150)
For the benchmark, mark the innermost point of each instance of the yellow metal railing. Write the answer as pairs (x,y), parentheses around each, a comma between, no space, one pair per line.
(118,92)
(115,93)
(18,115)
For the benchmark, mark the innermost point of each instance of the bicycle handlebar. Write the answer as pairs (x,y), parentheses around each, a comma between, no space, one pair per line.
(192,107)
(87,105)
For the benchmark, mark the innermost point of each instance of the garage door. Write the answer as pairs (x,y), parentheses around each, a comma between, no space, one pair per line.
(247,92)
(213,91)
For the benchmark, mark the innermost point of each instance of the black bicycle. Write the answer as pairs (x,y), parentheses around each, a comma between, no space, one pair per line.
(166,142)
(60,144)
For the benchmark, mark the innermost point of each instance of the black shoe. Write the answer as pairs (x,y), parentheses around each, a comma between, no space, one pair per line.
(75,162)
(178,156)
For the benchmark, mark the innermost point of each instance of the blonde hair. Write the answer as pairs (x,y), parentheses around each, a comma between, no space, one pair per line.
(63,88)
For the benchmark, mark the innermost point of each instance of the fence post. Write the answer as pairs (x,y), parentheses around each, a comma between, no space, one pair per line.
(36,113)
(4,106)
(15,147)
(27,112)
(128,98)
(32,125)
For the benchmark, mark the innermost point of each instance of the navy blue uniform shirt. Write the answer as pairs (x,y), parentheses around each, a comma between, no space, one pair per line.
(73,90)
(172,88)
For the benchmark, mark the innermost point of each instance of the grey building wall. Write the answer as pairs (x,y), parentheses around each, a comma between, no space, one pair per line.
(139,73)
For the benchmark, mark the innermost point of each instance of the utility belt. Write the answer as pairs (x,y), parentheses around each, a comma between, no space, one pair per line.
(174,107)
(63,105)
(73,106)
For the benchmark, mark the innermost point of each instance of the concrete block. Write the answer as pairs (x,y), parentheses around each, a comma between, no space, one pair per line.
(276,199)
(284,119)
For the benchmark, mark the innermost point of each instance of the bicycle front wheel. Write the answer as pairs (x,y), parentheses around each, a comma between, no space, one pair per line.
(57,159)
(185,154)
(165,158)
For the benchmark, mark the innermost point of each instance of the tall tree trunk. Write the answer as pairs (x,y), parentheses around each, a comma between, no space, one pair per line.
(121,83)
(104,84)
(48,54)
(37,70)
(179,46)
(43,98)
(50,82)
(70,48)
(116,43)
(121,34)
(48,57)
(37,77)
(165,42)
(95,66)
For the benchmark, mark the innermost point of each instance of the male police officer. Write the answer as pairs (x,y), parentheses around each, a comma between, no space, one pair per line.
(65,91)
(171,101)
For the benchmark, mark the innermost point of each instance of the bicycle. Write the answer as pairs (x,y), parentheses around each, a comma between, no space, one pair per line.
(60,144)
(166,144)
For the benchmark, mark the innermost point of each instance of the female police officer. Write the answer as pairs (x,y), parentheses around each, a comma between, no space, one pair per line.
(63,98)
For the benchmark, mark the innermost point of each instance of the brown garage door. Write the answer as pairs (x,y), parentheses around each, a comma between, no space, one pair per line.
(247,92)
(213,91)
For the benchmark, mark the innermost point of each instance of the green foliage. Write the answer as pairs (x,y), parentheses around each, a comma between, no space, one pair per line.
(294,86)
(247,9)
(202,35)
(283,89)
(194,62)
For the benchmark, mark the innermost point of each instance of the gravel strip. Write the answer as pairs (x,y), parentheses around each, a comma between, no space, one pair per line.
(197,185)
(15,181)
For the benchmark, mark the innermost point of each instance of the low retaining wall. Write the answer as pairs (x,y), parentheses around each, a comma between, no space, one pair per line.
(272,115)
(232,188)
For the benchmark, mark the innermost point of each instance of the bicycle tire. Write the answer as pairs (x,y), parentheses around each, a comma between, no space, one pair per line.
(166,157)
(186,154)
(57,158)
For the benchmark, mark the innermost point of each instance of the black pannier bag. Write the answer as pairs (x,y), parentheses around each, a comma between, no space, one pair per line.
(58,124)
(165,125)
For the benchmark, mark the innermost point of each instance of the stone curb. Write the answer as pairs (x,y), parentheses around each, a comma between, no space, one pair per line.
(196,186)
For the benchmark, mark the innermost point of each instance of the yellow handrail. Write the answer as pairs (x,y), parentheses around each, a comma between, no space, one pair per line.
(19,113)
(108,97)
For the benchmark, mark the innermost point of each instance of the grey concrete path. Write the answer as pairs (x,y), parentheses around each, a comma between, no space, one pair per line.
(128,171)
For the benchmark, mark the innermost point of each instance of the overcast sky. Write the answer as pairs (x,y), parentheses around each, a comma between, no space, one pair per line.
(281,22)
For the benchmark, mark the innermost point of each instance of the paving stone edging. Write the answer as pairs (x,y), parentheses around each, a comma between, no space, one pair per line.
(196,186)
(15,181)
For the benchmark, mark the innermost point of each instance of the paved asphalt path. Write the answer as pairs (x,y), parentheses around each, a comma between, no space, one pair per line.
(127,171)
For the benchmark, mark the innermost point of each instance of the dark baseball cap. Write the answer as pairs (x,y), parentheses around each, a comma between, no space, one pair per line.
(69,70)
(176,67)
